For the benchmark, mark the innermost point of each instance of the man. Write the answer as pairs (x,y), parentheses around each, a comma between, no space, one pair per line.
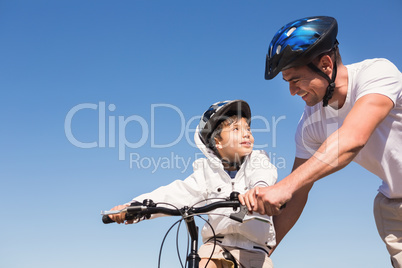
(363,99)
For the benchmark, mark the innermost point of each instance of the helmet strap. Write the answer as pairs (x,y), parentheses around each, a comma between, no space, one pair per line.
(236,165)
(331,81)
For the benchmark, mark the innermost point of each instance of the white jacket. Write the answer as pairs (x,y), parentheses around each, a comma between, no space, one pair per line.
(210,180)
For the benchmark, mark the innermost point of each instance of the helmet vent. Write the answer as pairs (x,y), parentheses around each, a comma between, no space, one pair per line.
(278,49)
(291,30)
(299,42)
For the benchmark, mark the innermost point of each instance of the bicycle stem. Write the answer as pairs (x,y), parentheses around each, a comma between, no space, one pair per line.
(193,259)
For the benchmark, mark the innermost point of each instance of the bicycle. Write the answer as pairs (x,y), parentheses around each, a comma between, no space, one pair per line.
(137,211)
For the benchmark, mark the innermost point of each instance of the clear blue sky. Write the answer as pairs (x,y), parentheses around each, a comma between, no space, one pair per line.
(149,68)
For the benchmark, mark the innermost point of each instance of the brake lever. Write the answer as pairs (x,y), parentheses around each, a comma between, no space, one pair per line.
(242,216)
(112,212)
(239,216)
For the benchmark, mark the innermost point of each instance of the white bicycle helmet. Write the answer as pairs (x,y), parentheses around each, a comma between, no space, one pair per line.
(217,113)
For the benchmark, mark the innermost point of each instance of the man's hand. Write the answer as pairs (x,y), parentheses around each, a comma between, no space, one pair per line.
(266,200)
(271,199)
(249,199)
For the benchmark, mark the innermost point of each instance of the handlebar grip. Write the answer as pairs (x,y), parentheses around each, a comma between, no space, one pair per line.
(106,219)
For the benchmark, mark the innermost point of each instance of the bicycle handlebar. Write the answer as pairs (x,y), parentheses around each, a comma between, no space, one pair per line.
(106,219)
(143,210)
(148,207)
(137,211)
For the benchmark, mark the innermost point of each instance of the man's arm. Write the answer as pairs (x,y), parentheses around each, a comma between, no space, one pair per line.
(287,219)
(336,152)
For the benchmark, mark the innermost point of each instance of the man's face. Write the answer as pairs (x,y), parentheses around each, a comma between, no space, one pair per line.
(305,83)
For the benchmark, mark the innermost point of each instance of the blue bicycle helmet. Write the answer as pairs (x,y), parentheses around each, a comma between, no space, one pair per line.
(298,43)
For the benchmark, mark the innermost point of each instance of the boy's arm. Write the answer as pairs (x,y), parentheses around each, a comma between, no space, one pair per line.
(178,193)
(264,172)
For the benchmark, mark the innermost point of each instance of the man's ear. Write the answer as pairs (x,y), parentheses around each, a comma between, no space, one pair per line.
(326,64)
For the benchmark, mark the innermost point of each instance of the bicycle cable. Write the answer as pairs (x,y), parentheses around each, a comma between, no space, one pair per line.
(168,231)
(178,229)
(163,241)
(177,244)
(185,213)
(213,232)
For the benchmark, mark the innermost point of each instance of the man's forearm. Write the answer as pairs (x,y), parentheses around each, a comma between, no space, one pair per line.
(289,216)
(329,158)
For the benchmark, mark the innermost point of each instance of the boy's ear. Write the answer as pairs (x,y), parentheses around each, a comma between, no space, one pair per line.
(218,144)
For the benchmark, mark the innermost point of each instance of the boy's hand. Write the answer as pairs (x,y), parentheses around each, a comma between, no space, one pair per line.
(249,199)
(121,217)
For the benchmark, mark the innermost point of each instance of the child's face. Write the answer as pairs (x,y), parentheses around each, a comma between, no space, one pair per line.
(237,141)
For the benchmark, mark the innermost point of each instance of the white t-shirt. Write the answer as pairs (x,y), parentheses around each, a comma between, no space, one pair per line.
(382,155)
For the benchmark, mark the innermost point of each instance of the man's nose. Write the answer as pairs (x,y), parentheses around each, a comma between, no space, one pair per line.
(293,89)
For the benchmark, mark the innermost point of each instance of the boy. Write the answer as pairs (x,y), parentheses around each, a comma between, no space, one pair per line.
(224,136)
